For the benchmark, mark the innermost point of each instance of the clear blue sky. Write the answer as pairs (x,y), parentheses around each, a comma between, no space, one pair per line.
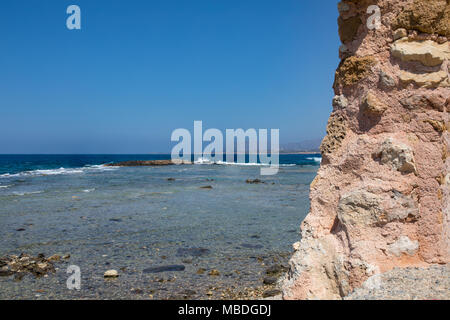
(139,69)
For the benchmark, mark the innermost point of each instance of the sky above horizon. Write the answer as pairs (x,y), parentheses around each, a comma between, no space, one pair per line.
(137,70)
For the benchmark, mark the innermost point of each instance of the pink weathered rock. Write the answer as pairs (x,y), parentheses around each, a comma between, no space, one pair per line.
(381,198)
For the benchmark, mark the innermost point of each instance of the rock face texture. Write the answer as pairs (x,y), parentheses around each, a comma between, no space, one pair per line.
(406,284)
(381,198)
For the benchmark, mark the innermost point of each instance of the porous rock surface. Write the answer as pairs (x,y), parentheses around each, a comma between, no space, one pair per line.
(406,284)
(380,204)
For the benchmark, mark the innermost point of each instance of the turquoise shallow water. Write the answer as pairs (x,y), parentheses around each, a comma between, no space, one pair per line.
(135,219)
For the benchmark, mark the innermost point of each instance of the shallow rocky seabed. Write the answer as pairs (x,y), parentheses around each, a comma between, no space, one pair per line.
(223,241)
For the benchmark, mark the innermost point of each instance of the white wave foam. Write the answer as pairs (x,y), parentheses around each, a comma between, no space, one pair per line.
(53,172)
(203,161)
(4,187)
(100,167)
(316,159)
(225,163)
(250,164)
(26,193)
(88,190)
(50,172)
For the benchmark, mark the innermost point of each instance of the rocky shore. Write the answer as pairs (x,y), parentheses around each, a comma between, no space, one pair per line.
(23,264)
(380,204)
(142,163)
(38,276)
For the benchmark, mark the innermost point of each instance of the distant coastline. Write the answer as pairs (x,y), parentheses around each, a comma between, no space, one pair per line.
(301,152)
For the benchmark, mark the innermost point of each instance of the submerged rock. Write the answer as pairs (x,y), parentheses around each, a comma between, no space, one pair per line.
(194,252)
(254,181)
(276,269)
(270,280)
(23,264)
(214,272)
(201,271)
(168,268)
(251,246)
(141,163)
(271,293)
(55,257)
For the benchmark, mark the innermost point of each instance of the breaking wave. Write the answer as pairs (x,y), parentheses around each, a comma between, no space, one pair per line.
(26,193)
(225,163)
(315,159)
(60,171)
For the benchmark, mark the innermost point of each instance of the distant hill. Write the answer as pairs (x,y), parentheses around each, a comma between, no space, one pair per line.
(303,146)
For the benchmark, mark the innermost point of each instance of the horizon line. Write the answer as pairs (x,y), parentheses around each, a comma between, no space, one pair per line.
(138,154)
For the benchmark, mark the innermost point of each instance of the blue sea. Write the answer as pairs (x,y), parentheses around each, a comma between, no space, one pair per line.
(143,221)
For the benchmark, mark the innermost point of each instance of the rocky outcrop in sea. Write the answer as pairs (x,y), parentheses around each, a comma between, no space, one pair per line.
(380,204)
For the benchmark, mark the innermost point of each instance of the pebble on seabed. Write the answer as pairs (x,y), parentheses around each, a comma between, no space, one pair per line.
(111,274)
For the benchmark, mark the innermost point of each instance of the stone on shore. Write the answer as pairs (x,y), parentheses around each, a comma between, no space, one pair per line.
(111,274)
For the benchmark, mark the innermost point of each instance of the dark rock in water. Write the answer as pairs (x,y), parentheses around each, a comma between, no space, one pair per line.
(115,220)
(276,268)
(20,229)
(206,187)
(141,163)
(270,280)
(255,236)
(168,268)
(137,291)
(271,293)
(251,246)
(6,273)
(214,272)
(170,179)
(255,181)
(188,292)
(200,271)
(194,252)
